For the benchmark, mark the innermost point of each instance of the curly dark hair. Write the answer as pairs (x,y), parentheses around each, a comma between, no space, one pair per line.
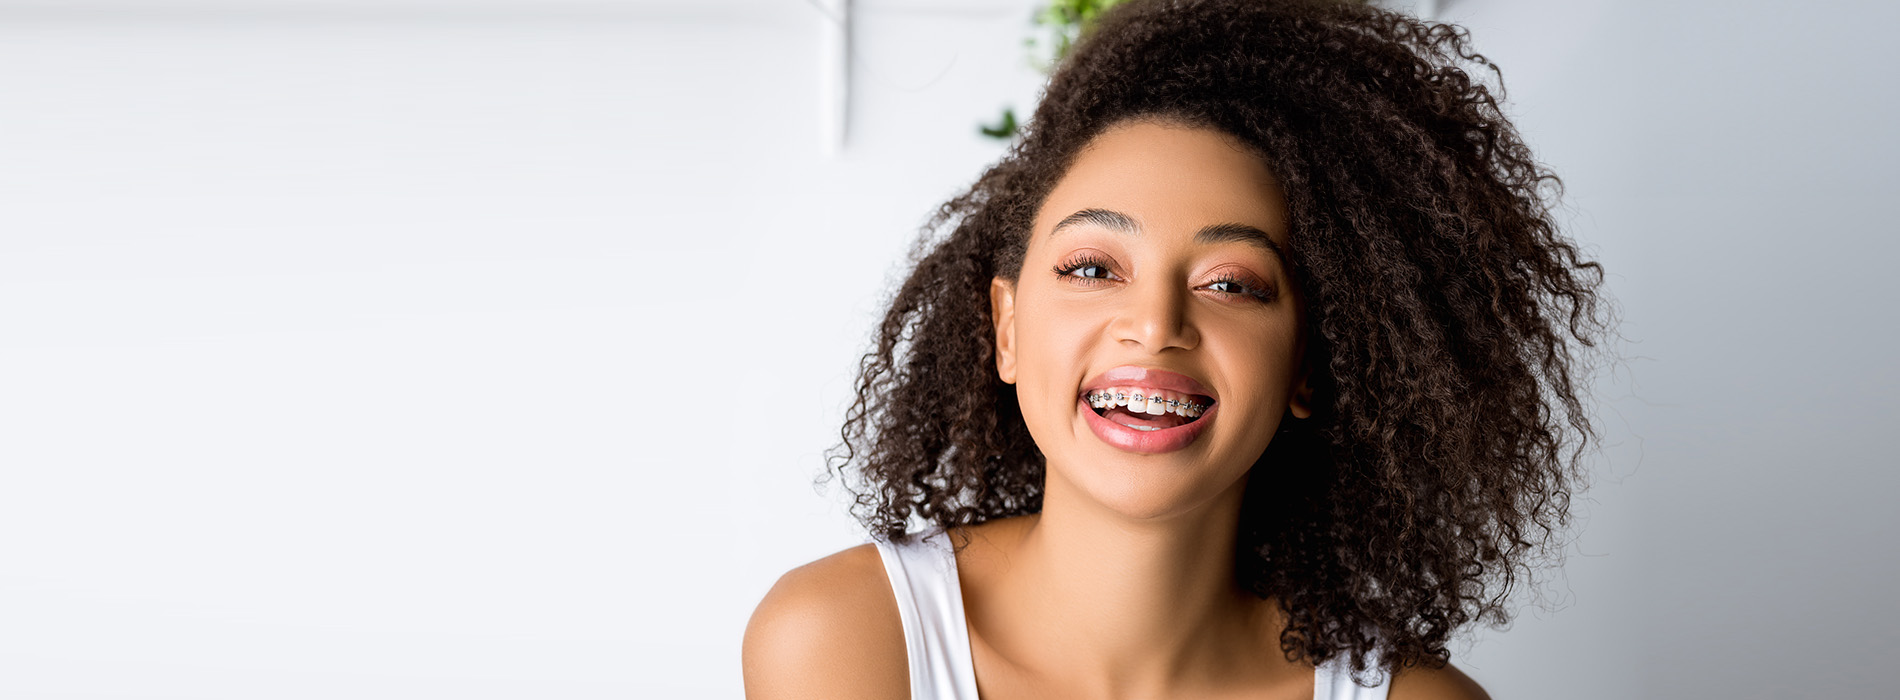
(1448,426)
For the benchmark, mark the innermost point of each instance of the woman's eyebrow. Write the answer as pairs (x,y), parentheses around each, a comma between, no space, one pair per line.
(1212,233)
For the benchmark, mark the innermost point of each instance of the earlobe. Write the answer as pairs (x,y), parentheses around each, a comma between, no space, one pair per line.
(1300,404)
(1003,313)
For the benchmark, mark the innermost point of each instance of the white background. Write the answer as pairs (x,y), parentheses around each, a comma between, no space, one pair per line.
(489,349)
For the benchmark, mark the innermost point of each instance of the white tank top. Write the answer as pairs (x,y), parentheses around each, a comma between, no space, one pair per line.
(930,600)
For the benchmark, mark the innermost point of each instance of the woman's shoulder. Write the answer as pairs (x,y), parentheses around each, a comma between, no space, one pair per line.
(1422,683)
(828,629)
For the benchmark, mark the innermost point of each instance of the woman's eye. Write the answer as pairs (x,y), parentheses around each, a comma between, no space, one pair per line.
(1238,288)
(1229,287)
(1085,271)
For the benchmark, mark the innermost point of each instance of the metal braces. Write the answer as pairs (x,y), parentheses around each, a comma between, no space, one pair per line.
(1121,397)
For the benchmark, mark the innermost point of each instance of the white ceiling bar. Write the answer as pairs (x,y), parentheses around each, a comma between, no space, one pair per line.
(835,81)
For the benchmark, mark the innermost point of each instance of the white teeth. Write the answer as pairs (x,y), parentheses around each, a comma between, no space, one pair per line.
(1137,403)
(1158,406)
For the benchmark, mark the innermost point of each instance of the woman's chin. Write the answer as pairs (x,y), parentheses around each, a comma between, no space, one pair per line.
(1136,491)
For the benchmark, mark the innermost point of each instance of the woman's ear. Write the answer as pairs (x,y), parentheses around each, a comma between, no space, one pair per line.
(1003,312)
(1300,404)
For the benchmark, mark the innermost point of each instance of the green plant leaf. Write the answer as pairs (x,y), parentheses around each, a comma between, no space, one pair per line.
(1004,129)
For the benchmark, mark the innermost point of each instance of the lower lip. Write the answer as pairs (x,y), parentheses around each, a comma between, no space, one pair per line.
(1146,442)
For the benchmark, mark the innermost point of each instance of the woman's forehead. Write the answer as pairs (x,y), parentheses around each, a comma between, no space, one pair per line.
(1167,178)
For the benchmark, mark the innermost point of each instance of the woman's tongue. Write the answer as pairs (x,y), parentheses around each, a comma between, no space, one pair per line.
(1139,421)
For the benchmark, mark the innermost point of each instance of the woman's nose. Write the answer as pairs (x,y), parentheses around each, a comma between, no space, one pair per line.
(1155,317)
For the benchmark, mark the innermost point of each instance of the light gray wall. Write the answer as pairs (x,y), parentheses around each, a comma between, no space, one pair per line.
(1732,163)
(421,348)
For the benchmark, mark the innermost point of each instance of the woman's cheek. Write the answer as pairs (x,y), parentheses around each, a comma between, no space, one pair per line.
(1050,366)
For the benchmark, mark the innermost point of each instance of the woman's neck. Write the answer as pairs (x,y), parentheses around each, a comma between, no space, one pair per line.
(1089,599)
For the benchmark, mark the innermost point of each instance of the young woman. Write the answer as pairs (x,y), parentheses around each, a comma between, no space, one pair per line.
(1249,372)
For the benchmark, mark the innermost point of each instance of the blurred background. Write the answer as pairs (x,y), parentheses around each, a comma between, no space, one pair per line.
(489,348)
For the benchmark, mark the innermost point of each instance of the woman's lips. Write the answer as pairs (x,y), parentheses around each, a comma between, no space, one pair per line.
(1160,441)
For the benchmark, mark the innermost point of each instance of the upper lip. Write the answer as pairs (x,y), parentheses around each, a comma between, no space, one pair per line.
(1149,377)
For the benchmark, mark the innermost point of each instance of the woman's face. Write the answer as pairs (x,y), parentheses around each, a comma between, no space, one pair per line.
(1154,269)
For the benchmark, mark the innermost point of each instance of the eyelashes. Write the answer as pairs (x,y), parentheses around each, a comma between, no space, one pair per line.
(1090,270)
(1085,263)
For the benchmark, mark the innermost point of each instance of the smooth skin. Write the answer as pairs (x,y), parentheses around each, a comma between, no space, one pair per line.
(1122,588)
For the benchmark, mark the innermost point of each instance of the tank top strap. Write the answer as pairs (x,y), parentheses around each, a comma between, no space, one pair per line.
(1333,680)
(923,575)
